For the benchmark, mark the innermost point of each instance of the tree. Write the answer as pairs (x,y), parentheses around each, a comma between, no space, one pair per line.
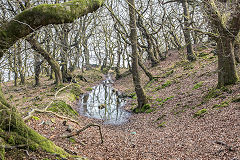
(186,31)
(141,97)
(227,26)
(11,123)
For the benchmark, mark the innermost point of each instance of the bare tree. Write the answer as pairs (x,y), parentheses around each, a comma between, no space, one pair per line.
(225,20)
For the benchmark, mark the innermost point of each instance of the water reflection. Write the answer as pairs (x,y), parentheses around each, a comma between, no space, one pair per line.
(103,102)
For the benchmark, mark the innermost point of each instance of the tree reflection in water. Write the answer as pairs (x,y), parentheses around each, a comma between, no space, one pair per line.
(103,102)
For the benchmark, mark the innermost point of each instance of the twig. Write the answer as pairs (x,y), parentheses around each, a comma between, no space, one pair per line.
(30,114)
(84,128)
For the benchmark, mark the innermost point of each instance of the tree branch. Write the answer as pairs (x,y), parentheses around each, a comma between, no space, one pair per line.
(34,18)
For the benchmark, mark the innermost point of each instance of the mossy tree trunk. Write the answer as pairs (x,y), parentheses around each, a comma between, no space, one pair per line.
(186,32)
(11,123)
(227,72)
(141,96)
(228,27)
(37,69)
(51,61)
(14,131)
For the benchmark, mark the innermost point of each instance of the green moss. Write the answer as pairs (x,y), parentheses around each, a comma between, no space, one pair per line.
(167,74)
(200,113)
(150,110)
(11,140)
(2,150)
(203,54)
(221,105)
(56,88)
(159,99)
(89,89)
(162,101)
(161,125)
(213,93)
(35,118)
(164,85)
(63,108)
(76,90)
(160,118)
(216,92)
(72,140)
(143,109)
(180,109)
(198,85)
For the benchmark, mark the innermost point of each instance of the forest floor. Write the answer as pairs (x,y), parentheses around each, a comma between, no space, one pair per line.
(189,118)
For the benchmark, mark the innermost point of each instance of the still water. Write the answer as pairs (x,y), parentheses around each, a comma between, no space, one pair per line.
(104,103)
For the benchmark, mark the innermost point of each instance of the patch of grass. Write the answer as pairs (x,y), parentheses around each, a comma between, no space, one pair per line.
(200,113)
(198,85)
(221,105)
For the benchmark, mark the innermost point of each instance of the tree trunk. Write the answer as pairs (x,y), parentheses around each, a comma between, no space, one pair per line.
(141,97)
(12,125)
(51,61)
(227,73)
(186,32)
(237,51)
(15,68)
(37,69)
(20,65)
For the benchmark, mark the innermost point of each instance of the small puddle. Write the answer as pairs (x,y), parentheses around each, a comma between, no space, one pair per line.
(104,103)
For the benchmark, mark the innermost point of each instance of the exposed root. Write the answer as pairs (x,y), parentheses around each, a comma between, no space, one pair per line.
(83,129)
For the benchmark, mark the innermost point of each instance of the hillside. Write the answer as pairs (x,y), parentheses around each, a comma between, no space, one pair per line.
(189,117)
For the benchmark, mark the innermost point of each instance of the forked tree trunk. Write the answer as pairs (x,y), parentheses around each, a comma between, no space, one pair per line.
(227,73)
(141,97)
(51,61)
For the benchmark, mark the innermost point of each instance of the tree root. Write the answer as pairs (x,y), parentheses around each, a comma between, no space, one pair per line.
(84,128)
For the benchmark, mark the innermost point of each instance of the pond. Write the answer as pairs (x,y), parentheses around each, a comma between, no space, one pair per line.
(104,103)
